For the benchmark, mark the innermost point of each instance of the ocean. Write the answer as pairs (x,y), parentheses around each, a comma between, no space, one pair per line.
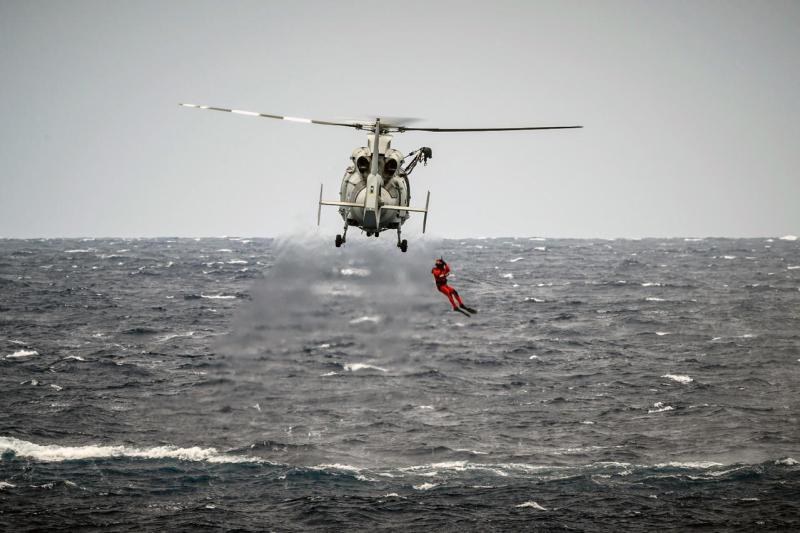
(234,384)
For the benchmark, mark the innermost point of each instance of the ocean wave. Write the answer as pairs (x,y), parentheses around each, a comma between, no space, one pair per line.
(532,504)
(22,353)
(362,319)
(678,378)
(353,367)
(49,453)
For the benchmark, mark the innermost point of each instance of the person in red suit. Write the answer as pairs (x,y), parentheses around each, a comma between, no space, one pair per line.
(440,272)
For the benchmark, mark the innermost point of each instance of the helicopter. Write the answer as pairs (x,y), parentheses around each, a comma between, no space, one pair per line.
(375,193)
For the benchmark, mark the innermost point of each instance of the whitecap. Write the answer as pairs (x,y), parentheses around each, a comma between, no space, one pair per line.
(22,353)
(659,407)
(225,250)
(533,505)
(352,367)
(424,407)
(79,251)
(541,248)
(237,262)
(515,259)
(678,377)
(532,299)
(359,272)
(218,296)
(651,284)
(662,333)
(6,485)
(729,257)
(425,486)
(789,238)
(691,239)
(538,239)
(56,387)
(75,357)
(654,299)
(533,357)
(337,466)
(55,453)
(331,373)
(689,464)
(792,267)
(165,338)
(507,275)
(788,461)
(359,320)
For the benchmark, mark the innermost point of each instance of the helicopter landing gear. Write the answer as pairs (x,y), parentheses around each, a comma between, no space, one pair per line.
(402,244)
(341,239)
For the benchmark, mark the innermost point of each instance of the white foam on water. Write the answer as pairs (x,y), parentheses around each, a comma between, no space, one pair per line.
(689,464)
(659,407)
(690,239)
(533,357)
(87,250)
(792,267)
(358,272)
(362,319)
(538,239)
(353,367)
(165,338)
(324,346)
(425,486)
(532,299)
(662,333)
(56,387)
(515,259)
(424,407)
(532,504)
(22,353)
(225,250)
(337,466)
(789,238)
(507,275)
(237,262)
(788,461)
(50,453)
(729,257)
(587,422)
(331,373)
(678,377)
(218,296)
(651,284)
(541,248)
(654,299)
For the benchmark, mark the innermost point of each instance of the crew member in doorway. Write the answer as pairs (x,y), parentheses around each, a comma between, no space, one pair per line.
(440,272)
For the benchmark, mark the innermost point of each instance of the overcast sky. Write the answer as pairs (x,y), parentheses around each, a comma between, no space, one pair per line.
(691,114)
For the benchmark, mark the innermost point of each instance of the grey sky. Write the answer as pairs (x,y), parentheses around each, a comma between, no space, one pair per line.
(690,110)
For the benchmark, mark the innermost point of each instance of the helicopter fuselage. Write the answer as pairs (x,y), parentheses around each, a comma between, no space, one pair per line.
(388,187)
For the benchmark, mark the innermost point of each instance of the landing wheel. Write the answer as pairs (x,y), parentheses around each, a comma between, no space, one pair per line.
(369,234)
(339,240)
(403,245)
(377,234)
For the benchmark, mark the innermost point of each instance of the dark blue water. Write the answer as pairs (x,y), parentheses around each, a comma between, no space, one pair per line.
(235,384)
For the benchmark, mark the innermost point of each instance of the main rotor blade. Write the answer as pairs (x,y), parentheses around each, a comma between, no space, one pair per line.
(279,117)
(450,130)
